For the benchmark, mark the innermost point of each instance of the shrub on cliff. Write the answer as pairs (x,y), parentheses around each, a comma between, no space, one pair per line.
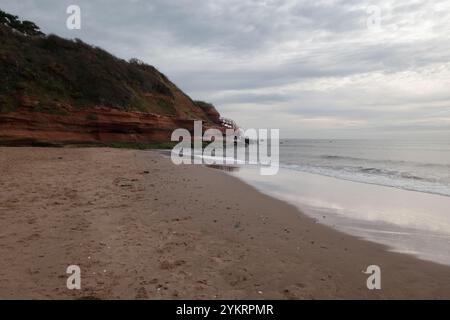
(204,105)
(24,27)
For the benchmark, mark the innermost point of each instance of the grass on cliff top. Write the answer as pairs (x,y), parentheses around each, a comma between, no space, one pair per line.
(55,70)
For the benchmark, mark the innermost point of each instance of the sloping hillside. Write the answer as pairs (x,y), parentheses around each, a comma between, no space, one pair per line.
(54,78)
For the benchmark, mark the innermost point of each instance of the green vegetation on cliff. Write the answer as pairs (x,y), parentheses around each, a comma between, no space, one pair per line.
(52,71)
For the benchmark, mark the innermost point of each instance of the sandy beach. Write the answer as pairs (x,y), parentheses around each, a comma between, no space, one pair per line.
(140,227)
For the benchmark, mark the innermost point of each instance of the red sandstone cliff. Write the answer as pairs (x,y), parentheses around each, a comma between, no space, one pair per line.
(59,90)
(99,124)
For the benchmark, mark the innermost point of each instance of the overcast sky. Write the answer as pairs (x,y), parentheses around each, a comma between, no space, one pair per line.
(313,69)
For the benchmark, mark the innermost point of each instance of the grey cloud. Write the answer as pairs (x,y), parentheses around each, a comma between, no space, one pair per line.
(257,48)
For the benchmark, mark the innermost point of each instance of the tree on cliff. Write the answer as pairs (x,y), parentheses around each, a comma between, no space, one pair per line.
(25,27)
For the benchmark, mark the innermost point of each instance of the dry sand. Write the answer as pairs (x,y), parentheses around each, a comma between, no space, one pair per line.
(140,227)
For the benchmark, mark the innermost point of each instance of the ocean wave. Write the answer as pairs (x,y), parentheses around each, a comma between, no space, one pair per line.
(378,176)
(386,161)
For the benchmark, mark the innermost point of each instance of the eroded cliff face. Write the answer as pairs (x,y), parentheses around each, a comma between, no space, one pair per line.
(97,124)
(59,90)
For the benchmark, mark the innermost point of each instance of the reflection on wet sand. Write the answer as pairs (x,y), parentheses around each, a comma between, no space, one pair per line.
(223,167)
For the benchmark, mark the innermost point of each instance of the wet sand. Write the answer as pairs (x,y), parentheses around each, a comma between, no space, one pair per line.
(410,222)
(141,228)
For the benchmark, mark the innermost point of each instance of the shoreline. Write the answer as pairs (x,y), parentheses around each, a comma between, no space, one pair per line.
(140,227)
(405,221)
